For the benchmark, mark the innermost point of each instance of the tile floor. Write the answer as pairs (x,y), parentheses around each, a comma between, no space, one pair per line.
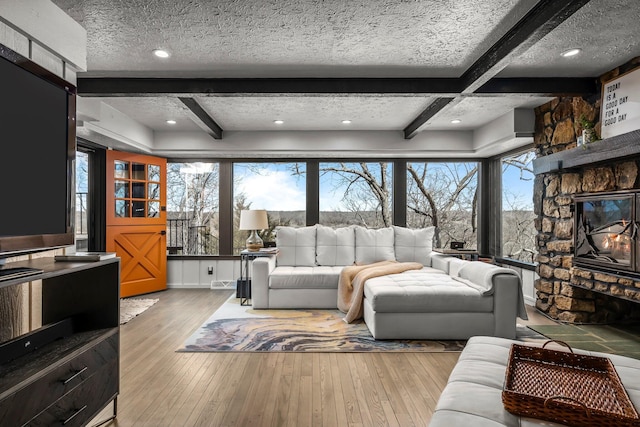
(618,339)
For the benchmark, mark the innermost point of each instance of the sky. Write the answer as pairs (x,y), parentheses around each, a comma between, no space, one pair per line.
(514,186)
(259,185)
(272,186)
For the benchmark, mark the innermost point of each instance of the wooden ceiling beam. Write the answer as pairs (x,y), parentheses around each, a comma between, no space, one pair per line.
(537,23)
(202,118)
(132,87)
(436,87)
(434,108)
(536,86)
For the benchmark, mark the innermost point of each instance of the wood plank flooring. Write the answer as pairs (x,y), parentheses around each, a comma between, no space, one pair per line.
(159,387)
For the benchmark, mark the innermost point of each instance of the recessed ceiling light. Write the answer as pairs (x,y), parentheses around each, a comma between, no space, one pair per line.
(456,121)
(171,122)
(346,122)
(161,53)
(570,52)
(278,122)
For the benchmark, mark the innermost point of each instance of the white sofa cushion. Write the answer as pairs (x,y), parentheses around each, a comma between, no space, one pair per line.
(305,278)
(424,291)
(335,246)
(373,245)
(440,261)
(414,245)
(296,245)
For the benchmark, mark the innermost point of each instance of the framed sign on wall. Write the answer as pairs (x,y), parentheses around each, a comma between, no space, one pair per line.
(620,109)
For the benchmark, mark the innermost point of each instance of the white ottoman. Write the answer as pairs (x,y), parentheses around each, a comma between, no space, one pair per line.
(473,395)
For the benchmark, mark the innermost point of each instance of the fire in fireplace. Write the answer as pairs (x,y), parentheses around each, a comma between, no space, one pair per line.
(606,232)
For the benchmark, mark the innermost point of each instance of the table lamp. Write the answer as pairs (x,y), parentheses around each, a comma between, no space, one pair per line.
(253,220)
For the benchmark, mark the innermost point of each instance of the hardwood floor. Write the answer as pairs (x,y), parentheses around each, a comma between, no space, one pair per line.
(159,387)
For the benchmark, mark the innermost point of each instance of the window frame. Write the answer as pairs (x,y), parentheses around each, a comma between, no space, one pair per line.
(489,191)
(492,208)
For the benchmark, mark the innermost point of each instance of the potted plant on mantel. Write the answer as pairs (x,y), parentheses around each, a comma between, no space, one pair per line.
(588,131)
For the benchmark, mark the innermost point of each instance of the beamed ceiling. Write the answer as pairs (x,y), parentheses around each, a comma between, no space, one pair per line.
(406,66)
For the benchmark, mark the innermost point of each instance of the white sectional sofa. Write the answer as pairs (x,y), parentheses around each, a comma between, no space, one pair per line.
(447,299)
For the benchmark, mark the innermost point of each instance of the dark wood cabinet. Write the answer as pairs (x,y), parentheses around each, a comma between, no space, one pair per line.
(69,380)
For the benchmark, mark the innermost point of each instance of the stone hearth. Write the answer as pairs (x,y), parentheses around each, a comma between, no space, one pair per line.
(565,292)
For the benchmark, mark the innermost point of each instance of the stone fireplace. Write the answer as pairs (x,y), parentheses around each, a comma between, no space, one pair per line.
(571,291)
(572,288)
(606,235)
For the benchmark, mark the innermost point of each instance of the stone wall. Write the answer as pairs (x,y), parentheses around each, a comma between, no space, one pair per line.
(564,292)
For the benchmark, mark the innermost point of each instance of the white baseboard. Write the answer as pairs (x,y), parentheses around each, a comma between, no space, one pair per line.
(188,286)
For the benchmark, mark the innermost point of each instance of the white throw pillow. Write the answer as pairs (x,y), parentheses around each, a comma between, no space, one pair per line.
(296,245)
(335,246)
(414,245)
(373,245)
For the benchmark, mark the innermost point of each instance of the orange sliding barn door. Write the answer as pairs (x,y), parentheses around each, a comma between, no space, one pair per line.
(136,220)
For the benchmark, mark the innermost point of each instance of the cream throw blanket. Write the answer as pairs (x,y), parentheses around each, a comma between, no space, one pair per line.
(351,284)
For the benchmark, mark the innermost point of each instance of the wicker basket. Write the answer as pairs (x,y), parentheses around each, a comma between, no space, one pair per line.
(567,388)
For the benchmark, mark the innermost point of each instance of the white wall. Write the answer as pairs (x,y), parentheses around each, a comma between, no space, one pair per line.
(42,32)
(508,132)
(189,273)
(305,144)
(106,126)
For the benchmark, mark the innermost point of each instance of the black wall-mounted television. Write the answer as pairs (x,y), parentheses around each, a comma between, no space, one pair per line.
(37,154)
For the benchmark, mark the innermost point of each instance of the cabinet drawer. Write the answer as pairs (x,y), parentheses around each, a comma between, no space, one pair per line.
(18,408)
(83,402)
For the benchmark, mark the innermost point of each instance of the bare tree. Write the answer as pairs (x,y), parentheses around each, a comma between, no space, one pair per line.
(366,189)
(522,162)
(239,237)
(444,195)
(518,228)
(192,199)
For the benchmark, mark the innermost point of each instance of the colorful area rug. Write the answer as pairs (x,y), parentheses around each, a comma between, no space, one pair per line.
(132,307)
(621,340)
(236,328)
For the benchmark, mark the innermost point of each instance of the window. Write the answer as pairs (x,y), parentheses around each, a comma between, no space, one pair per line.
(356,193)
(82,201)
(192,208)
(518,228)
(444,195)
(137,190)
(279,188)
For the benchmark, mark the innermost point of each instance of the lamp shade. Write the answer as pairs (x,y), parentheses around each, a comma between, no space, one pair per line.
(253,220)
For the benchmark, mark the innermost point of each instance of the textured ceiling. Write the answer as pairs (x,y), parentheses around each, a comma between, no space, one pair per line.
(337,39)
(267,38)
(248,113)
(606,31)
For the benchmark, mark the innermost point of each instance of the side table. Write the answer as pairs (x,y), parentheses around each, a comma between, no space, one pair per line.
(244,282)
(468,254)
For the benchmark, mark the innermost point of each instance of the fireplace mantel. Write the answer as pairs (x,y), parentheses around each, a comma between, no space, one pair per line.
(614,148)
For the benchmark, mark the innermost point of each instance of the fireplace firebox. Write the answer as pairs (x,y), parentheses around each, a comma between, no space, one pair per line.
(606,235)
